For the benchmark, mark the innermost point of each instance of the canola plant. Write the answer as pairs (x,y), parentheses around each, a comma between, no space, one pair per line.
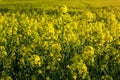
(60,44)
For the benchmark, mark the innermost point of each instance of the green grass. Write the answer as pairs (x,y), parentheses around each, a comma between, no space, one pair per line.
(51,3)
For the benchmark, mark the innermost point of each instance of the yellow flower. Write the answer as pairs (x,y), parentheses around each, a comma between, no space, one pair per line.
(111,17)
(2,78)
(45,44)
(4,40)
(51,54)
(106,77)
(106,57)
(74,77)
(84,76)
(9,31)
(48,67)
(56,46)
(5,76)
(8,78)
(88,50)
(89,16)
(51,28)
(3,54)
(33,77)
(59,59)
(1,27)
(63,9)
(118,42)
(40,71)
(68,66)
(35,60)
(47,78)
(119,61)
(15,30)
(22,62)
(84,68)
(2,48)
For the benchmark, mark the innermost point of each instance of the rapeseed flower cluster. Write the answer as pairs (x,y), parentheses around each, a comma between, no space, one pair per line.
(35,60)
(59,44)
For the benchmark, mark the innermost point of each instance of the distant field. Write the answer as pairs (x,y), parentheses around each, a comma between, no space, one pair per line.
(99,3)
(72,3)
